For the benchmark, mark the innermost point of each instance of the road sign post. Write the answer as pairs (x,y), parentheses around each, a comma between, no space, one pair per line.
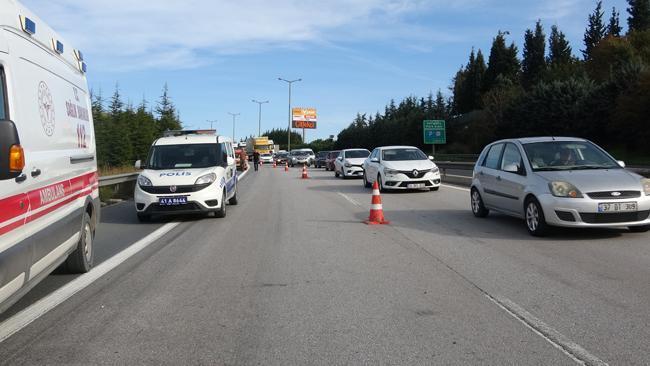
(435,133)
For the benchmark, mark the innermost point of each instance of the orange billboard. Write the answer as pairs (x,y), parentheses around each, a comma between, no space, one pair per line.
(304,118)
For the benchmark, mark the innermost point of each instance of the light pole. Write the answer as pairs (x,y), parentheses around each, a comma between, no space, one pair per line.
(211,122)
(289,127)
(259,129)
(234,115)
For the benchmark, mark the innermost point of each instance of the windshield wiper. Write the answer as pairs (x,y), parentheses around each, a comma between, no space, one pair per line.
(589,167)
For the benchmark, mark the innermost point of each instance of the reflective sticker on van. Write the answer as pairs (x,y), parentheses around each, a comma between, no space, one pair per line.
(176,174)
(51,194)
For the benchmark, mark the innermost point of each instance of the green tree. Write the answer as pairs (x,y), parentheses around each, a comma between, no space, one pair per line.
(168,119)
(560,52)
(639,19)
(503,61)
(439,110)
(119,135)
(614,27)
(144,131)
(468,94)
(533,64)
(595,31)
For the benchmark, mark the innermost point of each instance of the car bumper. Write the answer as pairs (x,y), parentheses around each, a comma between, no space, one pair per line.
(583,212)
(401,181)
(353,171)
(203,201)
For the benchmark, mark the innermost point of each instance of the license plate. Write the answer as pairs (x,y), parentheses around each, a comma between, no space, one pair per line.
(618,207)
(172,201)
(418,185)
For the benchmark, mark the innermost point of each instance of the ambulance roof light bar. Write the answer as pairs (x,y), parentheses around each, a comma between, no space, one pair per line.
(28,25)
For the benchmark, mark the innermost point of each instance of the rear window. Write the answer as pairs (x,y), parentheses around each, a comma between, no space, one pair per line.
(3,99)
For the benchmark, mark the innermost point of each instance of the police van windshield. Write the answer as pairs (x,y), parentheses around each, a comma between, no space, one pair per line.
(3,113)
(187,156)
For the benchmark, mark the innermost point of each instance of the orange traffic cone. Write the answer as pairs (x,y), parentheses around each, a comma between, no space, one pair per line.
(304,172)
(376,208)
(261,163)
(286,167)
(275,165)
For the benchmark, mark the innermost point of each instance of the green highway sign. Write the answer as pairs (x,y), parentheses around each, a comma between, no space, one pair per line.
(435,132)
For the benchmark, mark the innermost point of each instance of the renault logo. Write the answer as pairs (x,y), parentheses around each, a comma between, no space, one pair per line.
(172,189)
(416,173)
(616,194)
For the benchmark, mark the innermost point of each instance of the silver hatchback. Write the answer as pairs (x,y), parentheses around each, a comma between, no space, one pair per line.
(568,182)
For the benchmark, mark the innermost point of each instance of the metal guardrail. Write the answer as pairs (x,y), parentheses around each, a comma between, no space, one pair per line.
(117,179)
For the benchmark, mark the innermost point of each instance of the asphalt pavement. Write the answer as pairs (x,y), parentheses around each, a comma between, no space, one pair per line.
(293,277)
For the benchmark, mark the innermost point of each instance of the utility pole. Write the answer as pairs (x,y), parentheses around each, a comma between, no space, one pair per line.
(211,122)
(234,116)
(259,128)
(290,82)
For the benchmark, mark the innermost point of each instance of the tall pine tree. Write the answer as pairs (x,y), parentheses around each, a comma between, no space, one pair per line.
(560,52)
(167,116)
(503,62)
(534,62)
(639,19)
(614,27)
(595,31)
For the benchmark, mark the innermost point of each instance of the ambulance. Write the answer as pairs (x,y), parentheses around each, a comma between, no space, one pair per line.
(187,172)
(49,198)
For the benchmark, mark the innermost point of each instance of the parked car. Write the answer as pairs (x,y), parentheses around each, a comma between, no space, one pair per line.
(331,157)
(299,157)
(552,181)
(401,167)
(350,163)
(49,189)
(321,158)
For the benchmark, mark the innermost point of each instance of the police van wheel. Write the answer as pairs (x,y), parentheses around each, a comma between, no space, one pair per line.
(81,260)
(222,211)
(233,200)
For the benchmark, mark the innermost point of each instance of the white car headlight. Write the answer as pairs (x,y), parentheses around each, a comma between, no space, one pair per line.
(347,164)
(435,170)
(646,186)
(564,189)
(144,181)
(390,171)
(206,179)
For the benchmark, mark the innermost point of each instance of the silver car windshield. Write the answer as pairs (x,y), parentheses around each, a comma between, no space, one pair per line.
(403,155)
(567,155)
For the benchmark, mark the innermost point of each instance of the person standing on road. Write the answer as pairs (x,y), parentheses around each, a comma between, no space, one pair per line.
(256,160)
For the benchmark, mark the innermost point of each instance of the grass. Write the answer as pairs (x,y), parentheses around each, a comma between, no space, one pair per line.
(107,171)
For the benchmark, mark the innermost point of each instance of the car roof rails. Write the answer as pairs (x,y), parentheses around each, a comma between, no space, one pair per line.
(174,133)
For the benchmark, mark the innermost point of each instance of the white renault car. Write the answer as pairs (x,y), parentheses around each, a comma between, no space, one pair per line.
(187,172)
(349,163)
(559,181)
(401,167)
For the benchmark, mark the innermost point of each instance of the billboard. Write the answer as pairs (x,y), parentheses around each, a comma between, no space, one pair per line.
(304,118)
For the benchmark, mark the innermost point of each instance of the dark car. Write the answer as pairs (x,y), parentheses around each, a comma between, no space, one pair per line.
(281,158)
(329,160)
(321,159)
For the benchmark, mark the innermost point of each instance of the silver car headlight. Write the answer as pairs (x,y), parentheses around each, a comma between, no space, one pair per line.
(646,186)
(390,171)
(347,164)
(435,170)
(564,189)
(144,181)
(206,179)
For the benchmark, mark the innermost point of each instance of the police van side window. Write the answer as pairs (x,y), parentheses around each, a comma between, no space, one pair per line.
(4,115)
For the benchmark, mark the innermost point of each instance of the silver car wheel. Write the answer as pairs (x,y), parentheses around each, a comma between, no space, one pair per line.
(532,216)
(476,202)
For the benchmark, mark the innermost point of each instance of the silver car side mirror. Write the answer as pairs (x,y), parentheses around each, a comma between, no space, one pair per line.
(138,164)
(621,163)
(431,157)
(374,160)
(511,168)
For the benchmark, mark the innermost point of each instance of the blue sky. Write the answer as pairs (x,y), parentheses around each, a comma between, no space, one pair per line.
(353,56)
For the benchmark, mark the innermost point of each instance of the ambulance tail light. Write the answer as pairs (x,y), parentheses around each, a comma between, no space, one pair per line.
(16,159)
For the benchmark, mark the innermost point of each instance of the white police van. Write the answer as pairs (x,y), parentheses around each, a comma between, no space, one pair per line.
(49,199)
(187,172)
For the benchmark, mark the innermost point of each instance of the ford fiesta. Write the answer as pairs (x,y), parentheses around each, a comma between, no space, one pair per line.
(187,172)
(554,181)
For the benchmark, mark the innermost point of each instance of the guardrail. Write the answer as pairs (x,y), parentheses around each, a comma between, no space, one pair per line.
(117,179)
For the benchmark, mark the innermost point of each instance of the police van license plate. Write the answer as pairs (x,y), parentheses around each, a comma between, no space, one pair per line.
(618,207)
(172,201)
(416,185)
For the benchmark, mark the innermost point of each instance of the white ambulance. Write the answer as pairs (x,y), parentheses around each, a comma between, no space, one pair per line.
(187,172)
(49,199)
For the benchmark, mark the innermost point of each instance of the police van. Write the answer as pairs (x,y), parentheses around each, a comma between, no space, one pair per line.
(49,199)
(187,172)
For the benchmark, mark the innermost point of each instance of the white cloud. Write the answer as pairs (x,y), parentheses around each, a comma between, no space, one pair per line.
(128,34)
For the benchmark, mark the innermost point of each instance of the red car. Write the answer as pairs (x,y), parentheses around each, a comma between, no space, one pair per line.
(329,160)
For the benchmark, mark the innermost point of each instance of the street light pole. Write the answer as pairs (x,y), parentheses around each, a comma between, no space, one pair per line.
(234,115)
(259,129)
(211,122)
(290,82)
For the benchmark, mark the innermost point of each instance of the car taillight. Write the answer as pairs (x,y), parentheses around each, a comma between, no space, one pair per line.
(16,159)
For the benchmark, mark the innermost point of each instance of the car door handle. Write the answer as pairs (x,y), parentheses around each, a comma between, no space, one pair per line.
(35,173)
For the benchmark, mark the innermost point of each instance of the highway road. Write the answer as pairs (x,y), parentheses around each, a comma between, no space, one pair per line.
(293,277)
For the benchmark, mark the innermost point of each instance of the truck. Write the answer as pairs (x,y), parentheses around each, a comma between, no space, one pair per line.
(260,144)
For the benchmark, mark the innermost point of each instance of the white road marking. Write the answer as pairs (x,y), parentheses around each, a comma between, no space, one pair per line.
(41,307)
(349,199)
(580,355)
(457,188)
